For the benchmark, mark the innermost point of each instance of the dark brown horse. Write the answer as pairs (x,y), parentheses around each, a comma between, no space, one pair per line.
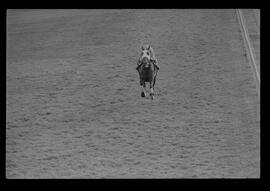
(147,72)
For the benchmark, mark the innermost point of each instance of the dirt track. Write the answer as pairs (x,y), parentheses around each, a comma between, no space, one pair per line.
(73,98)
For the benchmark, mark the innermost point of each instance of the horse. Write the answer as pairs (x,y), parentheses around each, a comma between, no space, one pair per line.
(147,72)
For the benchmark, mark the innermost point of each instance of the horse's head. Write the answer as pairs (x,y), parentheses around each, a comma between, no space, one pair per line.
(145,55)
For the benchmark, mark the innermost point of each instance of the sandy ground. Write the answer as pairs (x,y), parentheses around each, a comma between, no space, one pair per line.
(73,97)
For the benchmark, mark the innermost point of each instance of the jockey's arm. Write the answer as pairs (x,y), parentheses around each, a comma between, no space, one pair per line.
(155,62)
(138,64)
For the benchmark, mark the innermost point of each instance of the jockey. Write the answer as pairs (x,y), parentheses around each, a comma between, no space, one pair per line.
(152,55)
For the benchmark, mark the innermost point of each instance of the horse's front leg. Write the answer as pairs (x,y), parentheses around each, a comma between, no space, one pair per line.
(143,89)
(152,89)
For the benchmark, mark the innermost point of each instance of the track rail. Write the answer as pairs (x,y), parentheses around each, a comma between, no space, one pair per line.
(257,16)
(249,49)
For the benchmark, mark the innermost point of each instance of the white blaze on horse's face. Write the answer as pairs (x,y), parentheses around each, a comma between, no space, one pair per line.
(145,55)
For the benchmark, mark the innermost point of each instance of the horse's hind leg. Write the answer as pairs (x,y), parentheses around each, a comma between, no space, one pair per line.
(143,89)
